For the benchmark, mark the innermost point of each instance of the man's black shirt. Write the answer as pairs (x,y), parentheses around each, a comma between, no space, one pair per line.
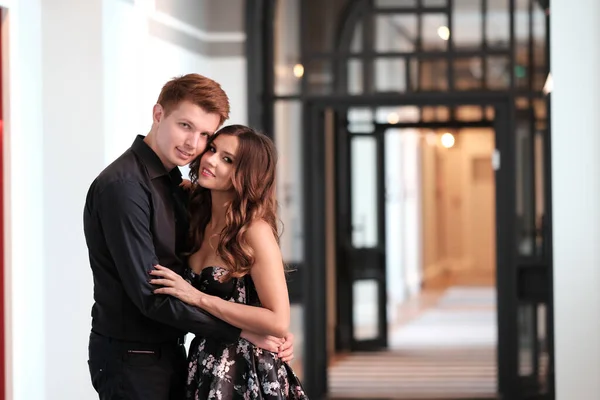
(134,218)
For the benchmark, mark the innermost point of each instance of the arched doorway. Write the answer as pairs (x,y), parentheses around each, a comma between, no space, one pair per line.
(313,63)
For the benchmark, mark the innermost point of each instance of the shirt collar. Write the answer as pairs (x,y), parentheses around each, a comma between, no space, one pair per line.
(152,162)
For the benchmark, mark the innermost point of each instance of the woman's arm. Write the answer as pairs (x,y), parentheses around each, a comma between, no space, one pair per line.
(269,278)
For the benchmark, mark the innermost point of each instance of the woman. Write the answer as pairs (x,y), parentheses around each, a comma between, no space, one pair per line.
(236,269)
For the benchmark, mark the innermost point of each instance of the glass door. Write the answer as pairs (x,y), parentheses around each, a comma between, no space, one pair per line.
(362,320)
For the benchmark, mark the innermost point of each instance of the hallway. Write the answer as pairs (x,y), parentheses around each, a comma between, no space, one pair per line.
(445,348)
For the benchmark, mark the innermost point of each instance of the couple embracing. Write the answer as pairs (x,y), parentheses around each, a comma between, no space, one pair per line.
(171,256)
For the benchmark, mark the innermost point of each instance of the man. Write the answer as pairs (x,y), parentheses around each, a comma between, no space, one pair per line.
(134,218)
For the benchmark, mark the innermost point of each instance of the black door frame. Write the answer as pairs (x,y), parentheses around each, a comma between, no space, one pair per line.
(352,263)
(315,279)
(346,255)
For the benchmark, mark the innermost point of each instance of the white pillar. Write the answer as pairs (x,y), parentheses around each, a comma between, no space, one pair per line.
(575,66)
(23,215)
(74,146)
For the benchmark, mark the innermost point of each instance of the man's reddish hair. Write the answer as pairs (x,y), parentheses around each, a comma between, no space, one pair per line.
(197,89)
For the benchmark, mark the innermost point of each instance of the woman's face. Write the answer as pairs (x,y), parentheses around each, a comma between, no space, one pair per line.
(217,164)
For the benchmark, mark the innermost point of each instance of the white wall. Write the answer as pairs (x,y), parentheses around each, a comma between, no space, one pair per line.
(24,246)
(82,78)
(458,207)
(137,64)
(576,196)
(73,150)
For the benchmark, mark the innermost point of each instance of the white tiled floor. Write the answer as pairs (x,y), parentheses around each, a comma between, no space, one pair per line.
(445,350)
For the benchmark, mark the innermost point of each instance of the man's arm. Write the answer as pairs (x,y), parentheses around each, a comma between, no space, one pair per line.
(124,210)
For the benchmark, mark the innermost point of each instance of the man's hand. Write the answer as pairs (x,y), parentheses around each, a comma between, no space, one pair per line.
(265,342)
(286,350)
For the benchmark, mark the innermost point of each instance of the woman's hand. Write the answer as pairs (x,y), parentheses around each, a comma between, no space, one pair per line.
(265,342)
(174,285)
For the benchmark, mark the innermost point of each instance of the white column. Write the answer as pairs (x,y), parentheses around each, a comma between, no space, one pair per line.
(575,68)
(23,215)
(74,147)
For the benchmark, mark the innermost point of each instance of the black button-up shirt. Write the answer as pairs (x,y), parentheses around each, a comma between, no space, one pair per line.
(134,218)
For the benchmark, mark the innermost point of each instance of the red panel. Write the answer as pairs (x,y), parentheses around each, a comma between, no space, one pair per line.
(2,293)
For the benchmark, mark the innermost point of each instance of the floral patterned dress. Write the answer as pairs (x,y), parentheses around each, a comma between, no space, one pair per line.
(218,370)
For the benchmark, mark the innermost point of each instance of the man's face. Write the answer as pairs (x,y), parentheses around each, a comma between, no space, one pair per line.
(182,134)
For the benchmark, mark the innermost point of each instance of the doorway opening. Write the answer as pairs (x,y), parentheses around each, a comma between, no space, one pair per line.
(416,242)
(310,61)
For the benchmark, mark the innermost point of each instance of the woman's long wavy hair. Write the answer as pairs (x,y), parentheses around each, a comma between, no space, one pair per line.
(254,185)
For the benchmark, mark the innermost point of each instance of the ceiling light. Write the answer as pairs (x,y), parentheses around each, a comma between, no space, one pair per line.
(447,140)
(443,32)
(393,118)
(549,85)
(298,70)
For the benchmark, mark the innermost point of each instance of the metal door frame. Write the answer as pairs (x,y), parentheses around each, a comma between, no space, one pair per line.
(346,275)
(315,318)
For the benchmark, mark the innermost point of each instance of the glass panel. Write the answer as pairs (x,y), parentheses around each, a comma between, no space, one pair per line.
(435,114)
(414,73)
(539,53)
(297,328)
(469,113)
(531,67)
(287,48)
(522,67)
(498,73)
(539,191)
(490,113)
(543,359)
(403,202)
(288,139)
(468,73)
(391,75)
(428,114)
(522,103)
(527,329)
(355,77)
(435,3)
(357,39)
(433,74)
(399,234)
(434,32)
(365,311)
(395,3)
(525,188)
(442,113)
(360,120)
(467,25)
(539,106)
(364,191)
(319,32)
(396,114)
(319,77)
(533,352)
(395,33)
(498,24)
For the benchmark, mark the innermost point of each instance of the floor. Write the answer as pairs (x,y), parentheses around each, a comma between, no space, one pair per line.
(443,346)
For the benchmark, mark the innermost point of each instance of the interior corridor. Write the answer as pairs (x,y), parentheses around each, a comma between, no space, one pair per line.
(442,347)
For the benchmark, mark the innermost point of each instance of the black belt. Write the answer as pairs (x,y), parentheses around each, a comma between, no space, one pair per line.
(180,341)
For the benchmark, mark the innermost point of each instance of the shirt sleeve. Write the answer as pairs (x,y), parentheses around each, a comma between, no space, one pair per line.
(124,211)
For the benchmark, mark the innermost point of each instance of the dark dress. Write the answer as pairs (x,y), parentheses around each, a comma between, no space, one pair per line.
(240,370)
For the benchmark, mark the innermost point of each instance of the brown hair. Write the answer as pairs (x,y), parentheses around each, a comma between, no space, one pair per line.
(197,89)
(254,184)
